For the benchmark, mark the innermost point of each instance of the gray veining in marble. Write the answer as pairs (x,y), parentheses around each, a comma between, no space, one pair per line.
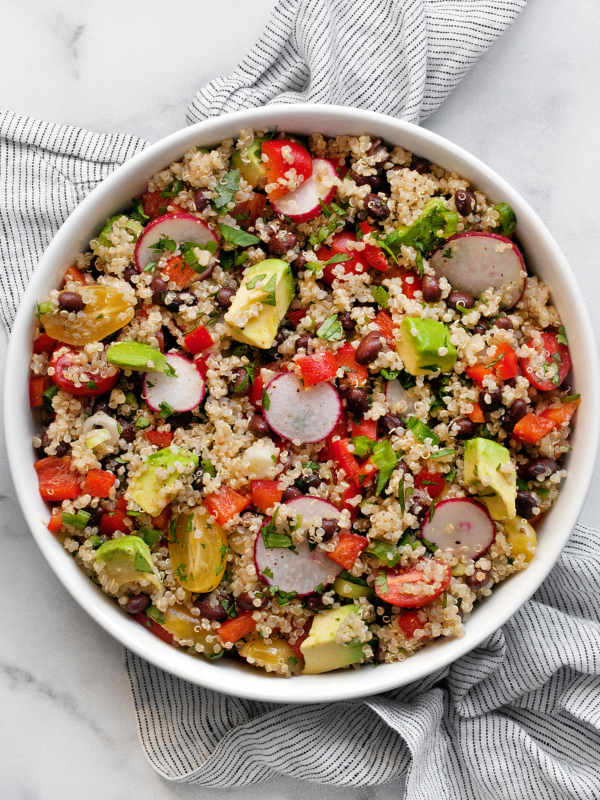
(529,108)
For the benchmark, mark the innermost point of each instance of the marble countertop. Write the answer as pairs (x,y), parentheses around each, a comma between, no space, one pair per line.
(529,108)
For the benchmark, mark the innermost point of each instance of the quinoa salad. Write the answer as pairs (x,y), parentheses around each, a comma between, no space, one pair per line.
(302,403)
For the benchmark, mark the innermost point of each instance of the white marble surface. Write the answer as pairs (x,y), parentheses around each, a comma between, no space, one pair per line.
(529,108)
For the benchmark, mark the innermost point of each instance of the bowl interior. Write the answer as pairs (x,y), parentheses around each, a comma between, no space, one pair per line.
(543,256)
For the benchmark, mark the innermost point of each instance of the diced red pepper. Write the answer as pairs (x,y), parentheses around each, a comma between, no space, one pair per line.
(160,439)
(55,523)
(265,494)
(255,395)
(179,272)
(356,263)
(348,549)
(249,211)
(113,521)
(44,344)
(386,325)
(37,386)
(409,623)
(504,364)
(343,458)
(154,627)
(411,283)
(555,353)
(372,253)
(478,372)
(349,494)
(201,365)
(156,206)
(232,630)
(532,428)
(317,368)
(57,481)
(560,415)
(276,165)
(225,503)
(160,521)
(121,504)
(98,483)
(198,340)
(477,414)
(340,167)
(367,427)
(431,482)
(73,275)
(340,431)
(296,316)
(160,338)
(356,375)
(365,472)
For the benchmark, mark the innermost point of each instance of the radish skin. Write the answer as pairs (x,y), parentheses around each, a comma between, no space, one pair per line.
(180,228)
(460,524)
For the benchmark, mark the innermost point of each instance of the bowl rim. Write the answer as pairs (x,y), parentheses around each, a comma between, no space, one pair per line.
(232,678)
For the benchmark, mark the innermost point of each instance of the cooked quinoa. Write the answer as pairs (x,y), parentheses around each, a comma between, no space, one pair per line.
(189,505)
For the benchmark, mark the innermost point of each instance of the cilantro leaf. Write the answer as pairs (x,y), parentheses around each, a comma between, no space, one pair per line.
(384,456)
(331,329)
(561,336)
(164,244)
(226,189)
(238,237)
(381,295)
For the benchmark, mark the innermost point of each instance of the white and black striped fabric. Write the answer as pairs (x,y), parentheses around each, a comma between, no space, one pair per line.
(519,717)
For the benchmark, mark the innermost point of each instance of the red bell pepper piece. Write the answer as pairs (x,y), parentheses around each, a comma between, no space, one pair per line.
(356,375)
(340,431)
(340,167)
(160,439)
(348,549)
(367,427)
(44,344)
(37,386)
(349,494)
(555,354)
(296,316)
(356,263)
(55,523)
(560,415)
(265,494)
(113,521)
(156,206)
(365,472)
(343,459)
(179,272)
(255,395)
(98,483)
(73,275)
(249,211)
(234,629)
(201,365)
(409,623)
(277,165)
(317,368)
(431,482)
(160,521)
(411,283)
(225,503)
(477,414)
(504,365)
(386,325)
(154,627)
(532,428)
(373,254)
(57,481)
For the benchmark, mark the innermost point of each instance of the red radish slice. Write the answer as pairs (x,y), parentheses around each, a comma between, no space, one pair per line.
(458,523)
(479,261)
(396,393)
(304,203)
(180,228)
(182,393)
(307,415)
(300,573)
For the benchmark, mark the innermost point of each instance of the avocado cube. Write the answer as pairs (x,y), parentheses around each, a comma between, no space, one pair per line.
(127,560)
(483,459)
(152,493)
(271,284)
(320,650)
(137,356)
(253,170)
(424,346)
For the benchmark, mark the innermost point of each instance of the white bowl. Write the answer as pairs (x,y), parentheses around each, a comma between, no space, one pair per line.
(233,677)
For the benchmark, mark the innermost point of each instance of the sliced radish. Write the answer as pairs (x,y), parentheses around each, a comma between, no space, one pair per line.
(182,392)
(458,523)
(300,573)
(304,203)
(180,228)
(473,262)
(396,393)
(307,415)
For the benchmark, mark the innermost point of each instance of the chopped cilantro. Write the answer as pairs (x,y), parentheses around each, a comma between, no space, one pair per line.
(238,237)
(207,466)
(225,190)
(331,329)
(381,295)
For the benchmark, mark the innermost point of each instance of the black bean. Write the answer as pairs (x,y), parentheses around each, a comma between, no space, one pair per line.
(512,382)
(200,200)
(481,328)
(245,601)
(376,182)
(357,401)
(368,349)
(299,263)
(537,466)
(95,514)
(111,465)
(314,602)
(460,299)
(503,323)
(63,450)
(290,494)
(137,603)
(390,423)
(314,479)
(430,287)
(419,509)
(525,503)
(420,165)
(463,428)
(101,404)
(181,420)
(258,427)
(303,341)
(281,242)
(46,441)
(210,608)
(70,301)
(476,582)
(130,273)
(490,399)
(159,288)
(465,202)
(515,412)
(240,382)
(197,479)
(127,430)
(346,321)
(329,526)
(225,298)
(378,152)
(376,208)
(174,300)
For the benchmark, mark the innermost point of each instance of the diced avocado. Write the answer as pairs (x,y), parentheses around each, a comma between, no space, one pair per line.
(270,283)
(127,560)
(424,233)
(145,488)
(254,170)
(424,346)
(131,226)
(320,650)
(483,459)
(495,506)
(137,356)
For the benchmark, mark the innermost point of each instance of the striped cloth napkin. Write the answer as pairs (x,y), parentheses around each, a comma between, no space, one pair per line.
(519,717)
